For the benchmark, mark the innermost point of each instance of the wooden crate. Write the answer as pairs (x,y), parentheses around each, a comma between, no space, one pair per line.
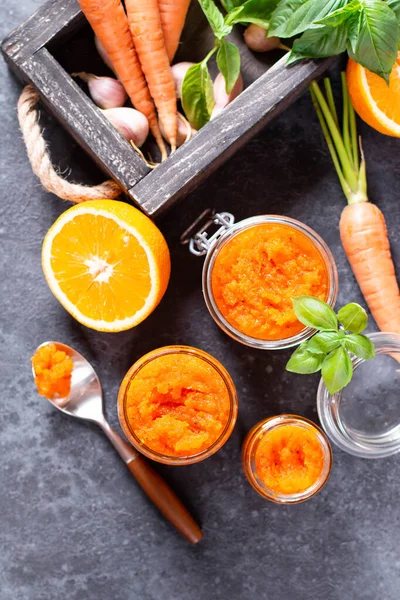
(36,52)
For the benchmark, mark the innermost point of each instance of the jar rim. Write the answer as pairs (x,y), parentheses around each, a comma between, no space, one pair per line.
(164,458)
(209,262)
(328,407)
(250,446)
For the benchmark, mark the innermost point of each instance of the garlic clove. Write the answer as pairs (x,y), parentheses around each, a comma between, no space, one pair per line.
(106,92)
(178,75)
(131,123)
(184,131)
(103,54)
(221,98)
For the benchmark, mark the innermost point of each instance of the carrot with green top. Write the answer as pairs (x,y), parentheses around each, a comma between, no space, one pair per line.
(145,24)
(110,24)
(172,14)
(362,225)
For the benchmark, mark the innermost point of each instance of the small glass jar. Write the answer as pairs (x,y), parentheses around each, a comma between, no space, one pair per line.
(129,431)
(363,419)
(251,445)
(203,244)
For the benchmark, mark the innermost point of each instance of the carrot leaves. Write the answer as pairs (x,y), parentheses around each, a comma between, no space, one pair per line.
(328,350)
(341,139)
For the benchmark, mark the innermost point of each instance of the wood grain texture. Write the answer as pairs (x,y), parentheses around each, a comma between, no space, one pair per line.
(270,89)
(50,22)
(222,137)
(79,115)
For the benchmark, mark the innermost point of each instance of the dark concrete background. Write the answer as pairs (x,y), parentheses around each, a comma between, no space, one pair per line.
(73,524)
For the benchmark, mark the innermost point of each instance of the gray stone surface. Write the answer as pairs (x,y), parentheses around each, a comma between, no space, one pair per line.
(73,524)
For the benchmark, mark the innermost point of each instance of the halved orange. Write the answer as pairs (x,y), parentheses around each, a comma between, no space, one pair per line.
(107,263)
(377,103)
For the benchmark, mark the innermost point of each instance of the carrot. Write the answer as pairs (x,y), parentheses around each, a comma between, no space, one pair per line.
(110,24)
(173,14)
(145,24)
(362,225)
(365,240)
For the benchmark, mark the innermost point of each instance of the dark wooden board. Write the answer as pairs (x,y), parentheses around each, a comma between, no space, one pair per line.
(50,22)
(37,54)
(223,136)
(65,99)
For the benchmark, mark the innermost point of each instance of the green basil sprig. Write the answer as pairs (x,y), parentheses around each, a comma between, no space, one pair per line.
(328,350)
(368,29)
(197,99)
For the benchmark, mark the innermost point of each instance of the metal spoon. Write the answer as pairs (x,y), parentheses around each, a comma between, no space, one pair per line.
(85,401)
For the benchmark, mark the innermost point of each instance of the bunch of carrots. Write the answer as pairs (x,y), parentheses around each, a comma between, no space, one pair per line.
(141,38)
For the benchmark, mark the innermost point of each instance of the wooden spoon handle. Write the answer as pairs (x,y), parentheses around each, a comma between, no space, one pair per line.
(165,499)
(155,487)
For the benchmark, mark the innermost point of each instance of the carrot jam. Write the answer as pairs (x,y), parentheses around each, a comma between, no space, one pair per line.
(177,404)
(289,459)
(259,271)
(53,369)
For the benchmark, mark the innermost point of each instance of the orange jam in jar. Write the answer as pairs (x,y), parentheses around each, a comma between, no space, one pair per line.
(177,405)
(254,271)
(287,459)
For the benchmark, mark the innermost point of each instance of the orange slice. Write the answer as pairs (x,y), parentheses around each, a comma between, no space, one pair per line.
(377,103)
(107,263)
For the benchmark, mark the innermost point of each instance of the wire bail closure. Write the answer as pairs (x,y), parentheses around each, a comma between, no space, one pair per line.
(197,235)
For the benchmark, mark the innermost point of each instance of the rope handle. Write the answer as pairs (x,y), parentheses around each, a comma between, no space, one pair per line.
(28,117)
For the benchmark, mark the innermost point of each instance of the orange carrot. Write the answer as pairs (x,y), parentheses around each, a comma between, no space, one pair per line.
(365,240)
(173,15)
(145,24)
(110,24)
(362,225)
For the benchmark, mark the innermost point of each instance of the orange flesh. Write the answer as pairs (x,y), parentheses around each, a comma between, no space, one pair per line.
(259,271)
(100,267)
(289,459)
(178,405)
(53,370)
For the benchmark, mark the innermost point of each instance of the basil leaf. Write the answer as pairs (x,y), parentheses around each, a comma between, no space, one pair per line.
(373,37)
(315,313)
(319,43)
(324,342)
(215,18)
(231,4)
(395,6)
(295,16)
(339,16)
(198,95)
(253,11)
(360,345)
(305,362)
(228,61)
(353,317)
(337,370)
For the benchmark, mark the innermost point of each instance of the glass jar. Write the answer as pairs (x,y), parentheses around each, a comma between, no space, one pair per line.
(134,371)
(363,419)
(203,244)
(252,443)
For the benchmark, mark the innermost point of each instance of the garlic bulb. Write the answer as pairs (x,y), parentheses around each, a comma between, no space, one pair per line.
(131,124)
(103,54)
(183,133)
(221,98)
(178,75)
(106,92)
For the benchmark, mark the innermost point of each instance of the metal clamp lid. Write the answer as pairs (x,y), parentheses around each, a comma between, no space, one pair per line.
(197,235)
